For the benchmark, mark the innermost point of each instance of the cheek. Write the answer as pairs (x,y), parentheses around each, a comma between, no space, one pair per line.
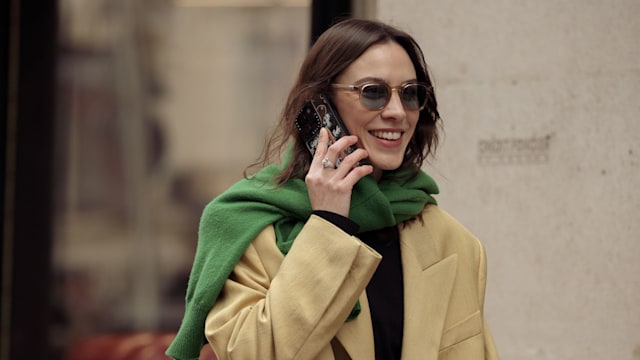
(353,118)
(342,109)
(413,120)
(356,123)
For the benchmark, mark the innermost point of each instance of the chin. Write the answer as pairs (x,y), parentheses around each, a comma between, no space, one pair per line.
(387,165)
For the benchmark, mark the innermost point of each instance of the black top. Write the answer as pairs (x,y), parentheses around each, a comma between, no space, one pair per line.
(385,291)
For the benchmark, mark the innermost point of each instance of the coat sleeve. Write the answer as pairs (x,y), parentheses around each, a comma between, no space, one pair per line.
(275,307)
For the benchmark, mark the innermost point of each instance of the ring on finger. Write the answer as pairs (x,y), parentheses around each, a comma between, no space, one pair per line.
(326,163)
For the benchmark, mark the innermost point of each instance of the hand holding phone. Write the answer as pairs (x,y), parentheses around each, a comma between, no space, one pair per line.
(330,189)
(317,113)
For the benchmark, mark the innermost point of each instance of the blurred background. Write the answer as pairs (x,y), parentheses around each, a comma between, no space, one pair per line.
(122,119)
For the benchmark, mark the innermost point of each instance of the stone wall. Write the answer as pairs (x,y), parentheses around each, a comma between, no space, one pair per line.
(541,160)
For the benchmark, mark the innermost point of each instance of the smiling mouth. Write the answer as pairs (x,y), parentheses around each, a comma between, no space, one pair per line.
(387,135)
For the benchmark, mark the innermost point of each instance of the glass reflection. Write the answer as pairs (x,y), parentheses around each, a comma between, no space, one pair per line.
(161,105)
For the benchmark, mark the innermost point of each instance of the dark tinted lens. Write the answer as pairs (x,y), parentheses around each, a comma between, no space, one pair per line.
(414,96)
(374,96)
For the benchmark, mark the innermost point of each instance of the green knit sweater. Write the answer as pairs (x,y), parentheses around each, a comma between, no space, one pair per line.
(231,221)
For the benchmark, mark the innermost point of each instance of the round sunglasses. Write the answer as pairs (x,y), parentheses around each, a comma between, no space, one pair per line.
(376,95)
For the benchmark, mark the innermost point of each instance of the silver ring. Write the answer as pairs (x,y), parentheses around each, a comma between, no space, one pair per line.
(326,163)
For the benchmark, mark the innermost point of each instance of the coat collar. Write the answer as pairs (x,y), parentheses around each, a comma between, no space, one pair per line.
(426,300)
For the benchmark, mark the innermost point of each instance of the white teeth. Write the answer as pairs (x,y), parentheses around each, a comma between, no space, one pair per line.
(387,135)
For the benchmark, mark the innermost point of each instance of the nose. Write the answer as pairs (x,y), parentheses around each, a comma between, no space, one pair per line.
(394,109)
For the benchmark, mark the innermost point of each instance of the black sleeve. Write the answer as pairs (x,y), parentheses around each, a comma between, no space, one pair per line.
(344,223)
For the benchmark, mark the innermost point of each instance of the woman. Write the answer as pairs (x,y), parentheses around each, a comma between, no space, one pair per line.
(312,260)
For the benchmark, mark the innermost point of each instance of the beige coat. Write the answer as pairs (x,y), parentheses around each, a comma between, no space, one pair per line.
(294,307)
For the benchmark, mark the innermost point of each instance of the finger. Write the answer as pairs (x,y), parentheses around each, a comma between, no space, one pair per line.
(357,173)
(352,160)
(321,149)
(338,148)
(344,142)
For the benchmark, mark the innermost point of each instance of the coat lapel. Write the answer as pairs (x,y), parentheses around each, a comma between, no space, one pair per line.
(428,283)
(356,336)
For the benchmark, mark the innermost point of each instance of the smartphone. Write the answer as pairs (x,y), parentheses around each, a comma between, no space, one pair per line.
(315,114)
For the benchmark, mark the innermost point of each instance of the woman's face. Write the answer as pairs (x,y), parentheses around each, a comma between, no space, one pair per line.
(385,133)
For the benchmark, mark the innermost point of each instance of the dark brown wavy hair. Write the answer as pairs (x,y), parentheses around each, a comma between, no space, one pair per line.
(332,53)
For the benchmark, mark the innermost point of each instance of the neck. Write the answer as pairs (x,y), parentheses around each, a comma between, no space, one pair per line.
(377,174)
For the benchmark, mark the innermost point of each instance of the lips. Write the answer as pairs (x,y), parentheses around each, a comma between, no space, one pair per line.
(387,135)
